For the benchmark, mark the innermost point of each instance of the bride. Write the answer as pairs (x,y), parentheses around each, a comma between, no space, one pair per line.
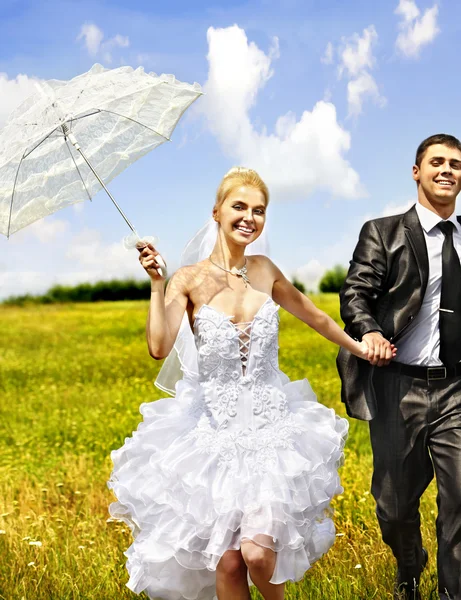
(229,483)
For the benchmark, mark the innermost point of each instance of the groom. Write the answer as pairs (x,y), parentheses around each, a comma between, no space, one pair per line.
(404,288)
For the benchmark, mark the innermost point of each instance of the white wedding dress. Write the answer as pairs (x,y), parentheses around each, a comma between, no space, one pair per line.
(240,454)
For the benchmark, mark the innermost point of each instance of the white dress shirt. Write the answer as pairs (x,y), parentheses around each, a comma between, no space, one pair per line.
(421,342)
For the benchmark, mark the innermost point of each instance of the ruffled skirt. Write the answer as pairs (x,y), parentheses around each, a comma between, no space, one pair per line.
(188,500)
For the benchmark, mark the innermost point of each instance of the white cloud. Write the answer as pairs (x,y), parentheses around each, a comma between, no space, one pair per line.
(327,58)
(356,62)
(88,251)
(70,258)
(44,230)
(118,41)
(357,53)
(93,38)
(122,41)
(13,92)
(415,31)
(300,156)
(358,89)
(18,283)
(310,274)
(408,10)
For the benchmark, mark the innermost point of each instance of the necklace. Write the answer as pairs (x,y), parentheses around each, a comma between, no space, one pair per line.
(242,273)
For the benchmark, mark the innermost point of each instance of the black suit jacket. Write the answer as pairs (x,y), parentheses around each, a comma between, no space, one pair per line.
(383,291)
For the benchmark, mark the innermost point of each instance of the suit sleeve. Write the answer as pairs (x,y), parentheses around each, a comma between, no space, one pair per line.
(364,283)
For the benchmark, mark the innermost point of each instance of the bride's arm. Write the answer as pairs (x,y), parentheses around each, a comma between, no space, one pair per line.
(296,303)
(166,309)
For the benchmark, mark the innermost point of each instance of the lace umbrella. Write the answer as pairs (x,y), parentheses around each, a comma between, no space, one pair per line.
(71,138)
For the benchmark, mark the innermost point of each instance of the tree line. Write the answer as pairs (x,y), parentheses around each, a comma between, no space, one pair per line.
(114,290)
(132,289)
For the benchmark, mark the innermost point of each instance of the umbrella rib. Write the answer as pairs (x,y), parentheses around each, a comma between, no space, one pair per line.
(12,196)
(78,170)
(95,112)
(39,143)
(112,112)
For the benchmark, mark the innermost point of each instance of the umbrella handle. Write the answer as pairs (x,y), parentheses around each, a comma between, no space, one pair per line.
(132,241)
(162,268)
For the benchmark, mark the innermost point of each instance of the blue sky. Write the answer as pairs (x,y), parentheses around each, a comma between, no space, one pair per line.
(327,99)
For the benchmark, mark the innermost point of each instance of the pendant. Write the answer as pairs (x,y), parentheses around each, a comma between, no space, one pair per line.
(243,274)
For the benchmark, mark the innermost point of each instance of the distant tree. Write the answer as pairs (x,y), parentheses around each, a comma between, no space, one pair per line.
(333,279)
(128,289)
(299,285)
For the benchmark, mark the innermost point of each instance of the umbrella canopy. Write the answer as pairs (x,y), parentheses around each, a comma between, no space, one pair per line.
(63,143)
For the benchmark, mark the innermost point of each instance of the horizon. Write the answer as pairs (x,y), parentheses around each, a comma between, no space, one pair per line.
(327,102)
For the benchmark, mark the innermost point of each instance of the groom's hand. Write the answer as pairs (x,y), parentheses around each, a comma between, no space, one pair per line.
(380,350)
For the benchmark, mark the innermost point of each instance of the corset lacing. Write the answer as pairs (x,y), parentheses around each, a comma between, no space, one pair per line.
(244,341)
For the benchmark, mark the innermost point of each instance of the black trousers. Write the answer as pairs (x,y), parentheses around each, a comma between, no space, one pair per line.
(418,432)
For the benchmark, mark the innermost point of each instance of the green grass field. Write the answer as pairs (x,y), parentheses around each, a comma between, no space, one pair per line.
(71,381)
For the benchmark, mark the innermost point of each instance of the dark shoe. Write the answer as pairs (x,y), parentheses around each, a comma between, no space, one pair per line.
(407,585)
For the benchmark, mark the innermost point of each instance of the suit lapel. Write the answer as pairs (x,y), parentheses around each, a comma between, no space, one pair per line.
(415,235)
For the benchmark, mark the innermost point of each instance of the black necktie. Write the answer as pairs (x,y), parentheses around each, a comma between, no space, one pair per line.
(450,299)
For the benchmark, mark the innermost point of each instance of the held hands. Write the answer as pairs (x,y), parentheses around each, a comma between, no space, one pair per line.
(380,351)
(363,350)
(151,261)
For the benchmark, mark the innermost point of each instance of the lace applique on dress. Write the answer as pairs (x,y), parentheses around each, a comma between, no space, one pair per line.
(247,417)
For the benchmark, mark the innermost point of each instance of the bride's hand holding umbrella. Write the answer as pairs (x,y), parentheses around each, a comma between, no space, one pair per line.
(151,261)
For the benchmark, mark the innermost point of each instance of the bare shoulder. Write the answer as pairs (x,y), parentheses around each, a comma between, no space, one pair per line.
(265,264)
(187,277)
(260,261)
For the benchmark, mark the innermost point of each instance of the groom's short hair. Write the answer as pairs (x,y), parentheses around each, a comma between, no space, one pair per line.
(438,138)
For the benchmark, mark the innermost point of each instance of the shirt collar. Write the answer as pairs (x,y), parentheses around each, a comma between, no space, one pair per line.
(429,219)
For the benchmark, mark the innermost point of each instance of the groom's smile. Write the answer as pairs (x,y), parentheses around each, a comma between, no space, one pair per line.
(439,175)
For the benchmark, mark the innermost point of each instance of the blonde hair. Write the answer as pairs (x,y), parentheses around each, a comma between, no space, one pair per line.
(236,177)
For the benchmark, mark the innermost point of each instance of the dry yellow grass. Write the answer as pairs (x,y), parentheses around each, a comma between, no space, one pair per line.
(71,380)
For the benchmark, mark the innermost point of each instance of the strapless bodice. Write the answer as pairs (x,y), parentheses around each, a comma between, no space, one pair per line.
(242,393)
